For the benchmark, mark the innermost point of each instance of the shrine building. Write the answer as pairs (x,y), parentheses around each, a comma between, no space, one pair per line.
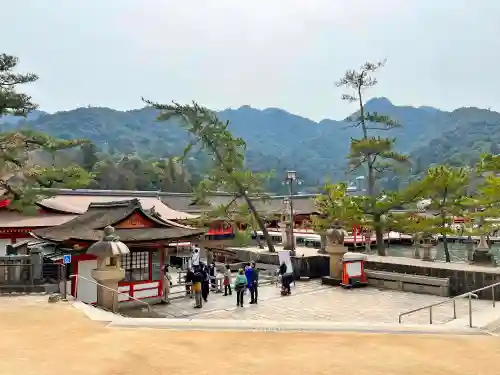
(147,233)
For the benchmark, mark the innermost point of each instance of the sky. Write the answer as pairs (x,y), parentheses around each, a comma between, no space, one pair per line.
(264,53)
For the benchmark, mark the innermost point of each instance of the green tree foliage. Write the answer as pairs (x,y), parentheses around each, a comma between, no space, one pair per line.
(89,156)
(446,192)
(336,208)
(20,180)
(228,171)
(20,177)
(13,102)
(374,154)
(173,175)
(483,205)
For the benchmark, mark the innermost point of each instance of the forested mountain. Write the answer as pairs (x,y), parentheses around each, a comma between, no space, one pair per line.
(275,138)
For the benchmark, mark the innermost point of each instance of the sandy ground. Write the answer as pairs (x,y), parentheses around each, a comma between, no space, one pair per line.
(40,338)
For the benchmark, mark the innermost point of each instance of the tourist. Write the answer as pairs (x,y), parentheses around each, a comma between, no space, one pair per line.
(254,284)
(286,279)
(227,280)
(205,284)
(240,284)
(189,278)
(248,274)
(212,271)
(197,281)
(167,283)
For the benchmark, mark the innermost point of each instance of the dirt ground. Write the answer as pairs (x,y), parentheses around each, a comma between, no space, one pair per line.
(42,339)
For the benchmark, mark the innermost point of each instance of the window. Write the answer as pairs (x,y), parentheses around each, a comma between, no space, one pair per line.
(136,266)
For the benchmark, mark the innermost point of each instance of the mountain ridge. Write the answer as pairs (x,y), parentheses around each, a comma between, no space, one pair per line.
(279,140)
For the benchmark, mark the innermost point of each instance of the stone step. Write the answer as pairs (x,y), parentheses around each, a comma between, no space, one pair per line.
(287,326)
(485,318)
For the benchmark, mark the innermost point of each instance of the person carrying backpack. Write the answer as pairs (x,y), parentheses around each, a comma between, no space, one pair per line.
(240,284)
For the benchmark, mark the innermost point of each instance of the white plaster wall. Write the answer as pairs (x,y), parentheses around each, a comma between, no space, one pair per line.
(3,246)
(86,290)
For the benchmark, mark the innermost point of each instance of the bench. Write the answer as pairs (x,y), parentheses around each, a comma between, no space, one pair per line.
(409,283)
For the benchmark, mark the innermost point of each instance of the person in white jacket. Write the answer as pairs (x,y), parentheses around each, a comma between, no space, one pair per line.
(227,280)
(167,283)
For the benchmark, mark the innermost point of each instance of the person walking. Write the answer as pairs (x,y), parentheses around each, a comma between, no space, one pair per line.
(240,284)
(189,278)
(167,283)
(196,288)
(286,280)
(212,272)
(254,285)
(205,284)
(227,280)
(248,274)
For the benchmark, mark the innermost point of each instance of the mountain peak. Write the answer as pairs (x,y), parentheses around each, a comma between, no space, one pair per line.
(381,102)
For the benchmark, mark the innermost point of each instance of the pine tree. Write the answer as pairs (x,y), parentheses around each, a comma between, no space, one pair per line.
(446,191)
(228,172)
(374,154)
(21,179)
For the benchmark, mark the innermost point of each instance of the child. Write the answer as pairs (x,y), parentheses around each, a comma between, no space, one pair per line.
(227,280)
(240,285)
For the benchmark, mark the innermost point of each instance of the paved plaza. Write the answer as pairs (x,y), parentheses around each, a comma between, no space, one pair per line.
(311,301)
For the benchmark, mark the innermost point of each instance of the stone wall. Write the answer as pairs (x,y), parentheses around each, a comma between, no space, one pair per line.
(463,278)
(311,266)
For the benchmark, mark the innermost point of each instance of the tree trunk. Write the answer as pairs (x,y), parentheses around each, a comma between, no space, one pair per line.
(257,239)
(446,250)
(379,234)
(262,227)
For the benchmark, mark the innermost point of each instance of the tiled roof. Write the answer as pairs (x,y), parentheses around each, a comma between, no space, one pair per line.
(9,219)
(77,204)
(89,226)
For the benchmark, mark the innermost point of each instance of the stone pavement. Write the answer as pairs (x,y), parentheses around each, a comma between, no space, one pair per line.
(311,301)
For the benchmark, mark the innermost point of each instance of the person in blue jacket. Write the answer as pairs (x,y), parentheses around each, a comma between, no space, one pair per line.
(249,275)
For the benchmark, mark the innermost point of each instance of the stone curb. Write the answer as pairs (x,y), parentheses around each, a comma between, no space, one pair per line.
(283,326)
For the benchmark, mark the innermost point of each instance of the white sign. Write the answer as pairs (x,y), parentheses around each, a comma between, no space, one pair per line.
(284,256)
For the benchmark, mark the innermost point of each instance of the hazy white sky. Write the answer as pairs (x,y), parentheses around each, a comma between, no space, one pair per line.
(265,53)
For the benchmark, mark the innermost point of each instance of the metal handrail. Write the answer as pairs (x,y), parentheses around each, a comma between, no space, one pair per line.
(469,295)
(114,290)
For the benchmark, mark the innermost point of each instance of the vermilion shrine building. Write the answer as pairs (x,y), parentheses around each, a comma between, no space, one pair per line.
(148,234)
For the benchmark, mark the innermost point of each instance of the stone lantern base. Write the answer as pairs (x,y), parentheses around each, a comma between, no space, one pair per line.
(108,278)
(482,254)
(336,252)
(483,258)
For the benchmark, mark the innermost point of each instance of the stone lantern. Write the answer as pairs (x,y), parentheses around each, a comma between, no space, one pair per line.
(336,249)
(426,243)
(481,254)
(108,272)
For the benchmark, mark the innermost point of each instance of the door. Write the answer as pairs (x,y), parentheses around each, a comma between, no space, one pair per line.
(86,290)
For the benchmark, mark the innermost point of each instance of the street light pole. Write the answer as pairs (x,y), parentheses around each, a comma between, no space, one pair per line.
(291,177)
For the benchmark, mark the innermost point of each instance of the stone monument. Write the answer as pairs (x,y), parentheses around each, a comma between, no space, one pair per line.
(336,249)
(108,272)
